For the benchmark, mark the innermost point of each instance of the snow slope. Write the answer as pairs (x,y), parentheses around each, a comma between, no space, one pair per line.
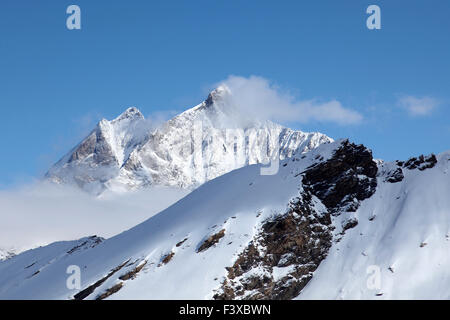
(236,202)
(196,146)
(182,252)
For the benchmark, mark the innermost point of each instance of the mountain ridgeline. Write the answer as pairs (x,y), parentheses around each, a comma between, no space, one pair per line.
(196,146)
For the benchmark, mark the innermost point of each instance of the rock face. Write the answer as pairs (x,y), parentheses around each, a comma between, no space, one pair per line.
(281,259)
(196,146)
(395,176)
(348,177)
(422,162)
(99,157)
(212,240)
(396,171)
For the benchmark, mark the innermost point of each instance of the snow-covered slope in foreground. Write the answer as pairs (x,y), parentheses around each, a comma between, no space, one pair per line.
(310,231)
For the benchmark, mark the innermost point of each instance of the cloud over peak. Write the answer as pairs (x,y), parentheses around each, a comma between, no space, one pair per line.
(258,98)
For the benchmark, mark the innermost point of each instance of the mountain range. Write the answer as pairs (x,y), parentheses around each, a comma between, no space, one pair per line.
(331,223)
(196,146)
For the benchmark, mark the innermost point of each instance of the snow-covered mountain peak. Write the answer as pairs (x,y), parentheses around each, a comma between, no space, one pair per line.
(216,110)
(131,113)
(195,146)
(222,109)
(221,93)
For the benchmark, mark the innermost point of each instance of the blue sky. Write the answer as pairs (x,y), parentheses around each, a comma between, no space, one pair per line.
(161,56)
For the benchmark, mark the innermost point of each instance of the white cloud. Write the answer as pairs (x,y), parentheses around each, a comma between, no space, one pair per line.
(260,99)
(43,213)
(418,106)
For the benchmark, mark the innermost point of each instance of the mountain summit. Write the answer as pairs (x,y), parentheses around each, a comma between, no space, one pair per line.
(196,146)
(131,113)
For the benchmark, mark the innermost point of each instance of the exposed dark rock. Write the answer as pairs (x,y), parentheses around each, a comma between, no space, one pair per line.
(421,162)
(35,273)
(348,175)
(97,146)
(86,292)
(110,291)
(395,176)
(91,242)
(181,242)
(86,148)
(127,276)
(212,240)
(299,239)
(349,224)
(132,274)
(167,258)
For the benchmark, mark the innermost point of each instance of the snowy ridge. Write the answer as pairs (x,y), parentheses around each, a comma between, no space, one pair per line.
(5,254)
(223,237)
(198,145)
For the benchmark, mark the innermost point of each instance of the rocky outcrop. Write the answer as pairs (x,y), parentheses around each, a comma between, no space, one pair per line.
(167,258)
(422,162)
(395,176)
(348,177)
(211,240)
(130,275)
(90,289)
(115,288)
(97,146)
(90,242)
(281,259)
(133,273)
